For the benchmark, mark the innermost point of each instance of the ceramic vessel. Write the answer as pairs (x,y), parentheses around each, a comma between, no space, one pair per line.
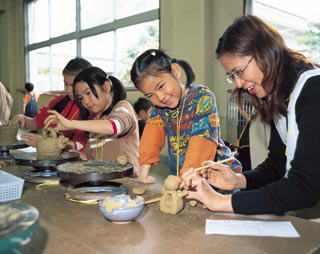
(50,145)
(127,210)
(8,134)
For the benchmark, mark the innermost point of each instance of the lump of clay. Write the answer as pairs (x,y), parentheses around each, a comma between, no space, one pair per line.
(193,202)
(122,160)
(8,134)
(121,202)
(171,201)
(50,145)
(138,191)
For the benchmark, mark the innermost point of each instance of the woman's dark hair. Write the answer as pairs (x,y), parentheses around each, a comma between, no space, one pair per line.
(73,67)
(95,76)
(153,62)
(142,104)
(281,66)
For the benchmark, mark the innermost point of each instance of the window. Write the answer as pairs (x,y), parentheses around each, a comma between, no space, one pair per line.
(298,22)
(108,33)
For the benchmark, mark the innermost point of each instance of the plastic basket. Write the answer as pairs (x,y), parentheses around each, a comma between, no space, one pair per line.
(10,187)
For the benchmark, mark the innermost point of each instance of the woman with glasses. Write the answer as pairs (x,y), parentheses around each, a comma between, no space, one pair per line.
(284,87)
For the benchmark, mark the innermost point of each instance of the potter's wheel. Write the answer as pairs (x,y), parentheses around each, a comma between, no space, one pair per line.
(90,180)
(44,169)
(74,173)
(94,190)
(18,224)
(5,148)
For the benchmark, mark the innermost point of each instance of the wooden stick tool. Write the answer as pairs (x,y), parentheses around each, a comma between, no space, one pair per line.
(220,162)
(152,200)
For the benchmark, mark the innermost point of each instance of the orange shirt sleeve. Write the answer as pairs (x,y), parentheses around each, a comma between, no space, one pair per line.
(199,149)
(26,99)
(152,141)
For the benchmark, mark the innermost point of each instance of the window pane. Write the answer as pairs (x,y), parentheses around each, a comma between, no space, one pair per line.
(125,8)
(96,12)
(63,20)
(39,69)
(38,21)
(62,53)
(99,51)
(131,42)
(298,22)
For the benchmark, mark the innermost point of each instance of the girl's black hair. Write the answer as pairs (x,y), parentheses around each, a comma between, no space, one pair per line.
(142,104)
(153,62)
(73,67)
(95,76)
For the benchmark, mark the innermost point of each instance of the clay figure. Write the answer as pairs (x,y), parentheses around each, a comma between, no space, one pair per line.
(138,191)
(50,145)
(171,200)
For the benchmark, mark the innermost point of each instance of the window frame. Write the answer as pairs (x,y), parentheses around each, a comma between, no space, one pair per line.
(79,34)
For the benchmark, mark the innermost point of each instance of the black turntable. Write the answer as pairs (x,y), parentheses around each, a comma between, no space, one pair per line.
(91,180)
(45,169)
(5,149)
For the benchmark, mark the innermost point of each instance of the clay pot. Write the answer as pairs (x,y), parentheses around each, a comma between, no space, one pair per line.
(8,134)
(50,145)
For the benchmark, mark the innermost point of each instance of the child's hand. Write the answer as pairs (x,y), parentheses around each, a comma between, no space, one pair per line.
(19,119)
(30,139)
(82,155)
(148,179)
(143,174)
(56,118)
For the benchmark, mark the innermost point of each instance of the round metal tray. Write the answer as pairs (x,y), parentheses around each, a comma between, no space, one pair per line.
(31,159)
(73,173)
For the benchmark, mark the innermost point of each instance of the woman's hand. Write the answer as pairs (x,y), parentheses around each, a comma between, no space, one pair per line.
(61,122)
(30,139)
(222,176)
(204,193)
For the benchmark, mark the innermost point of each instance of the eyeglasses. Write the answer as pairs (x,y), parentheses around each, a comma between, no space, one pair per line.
(232,76)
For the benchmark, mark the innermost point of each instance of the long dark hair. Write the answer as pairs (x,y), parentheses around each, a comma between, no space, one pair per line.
(95,76)
(73,68)
(281,66)
(153,62)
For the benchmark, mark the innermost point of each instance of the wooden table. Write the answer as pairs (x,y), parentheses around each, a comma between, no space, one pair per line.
(74,228)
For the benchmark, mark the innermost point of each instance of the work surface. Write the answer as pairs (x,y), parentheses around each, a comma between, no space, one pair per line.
(75,228)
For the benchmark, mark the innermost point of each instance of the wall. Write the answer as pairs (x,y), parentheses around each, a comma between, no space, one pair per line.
(190,30)
(12,66)
(224,13)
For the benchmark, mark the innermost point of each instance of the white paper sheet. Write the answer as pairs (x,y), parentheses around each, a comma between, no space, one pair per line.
(28,149)
(251,228)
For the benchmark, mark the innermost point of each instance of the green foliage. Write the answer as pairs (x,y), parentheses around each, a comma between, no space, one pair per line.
(311,39)
(148,39)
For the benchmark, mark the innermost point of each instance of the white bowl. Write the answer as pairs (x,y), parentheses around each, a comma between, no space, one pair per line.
(120,208)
